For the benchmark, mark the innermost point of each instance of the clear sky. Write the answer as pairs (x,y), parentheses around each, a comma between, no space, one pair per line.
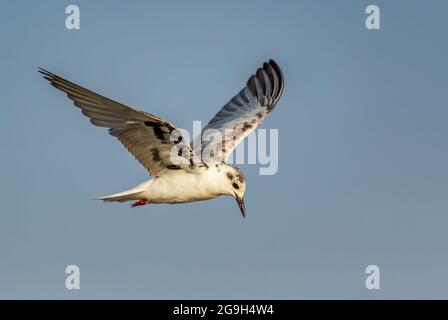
(363,155)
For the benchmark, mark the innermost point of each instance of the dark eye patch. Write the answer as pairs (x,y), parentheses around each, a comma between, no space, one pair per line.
(235,185)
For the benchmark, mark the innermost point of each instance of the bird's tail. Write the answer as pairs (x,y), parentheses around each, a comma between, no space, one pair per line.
(121,196)
(131,194)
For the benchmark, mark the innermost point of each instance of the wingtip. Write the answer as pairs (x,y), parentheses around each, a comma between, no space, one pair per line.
(46,74)
(275,66)
(278,70)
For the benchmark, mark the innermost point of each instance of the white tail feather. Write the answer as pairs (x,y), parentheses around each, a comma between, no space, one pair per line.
(121,196)
(131,194)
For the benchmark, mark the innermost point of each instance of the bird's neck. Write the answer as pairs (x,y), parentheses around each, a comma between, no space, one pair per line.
(216,179)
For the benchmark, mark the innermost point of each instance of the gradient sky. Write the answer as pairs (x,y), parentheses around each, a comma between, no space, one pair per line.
(363,155)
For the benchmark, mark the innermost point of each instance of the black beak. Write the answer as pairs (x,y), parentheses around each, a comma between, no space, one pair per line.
(241,205)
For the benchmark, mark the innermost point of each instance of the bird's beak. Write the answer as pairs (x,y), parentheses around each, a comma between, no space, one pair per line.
(241,205)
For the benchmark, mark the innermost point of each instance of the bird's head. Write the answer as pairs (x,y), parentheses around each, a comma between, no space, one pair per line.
(236,185)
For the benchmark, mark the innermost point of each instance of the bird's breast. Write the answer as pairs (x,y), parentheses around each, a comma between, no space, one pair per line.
(183,187)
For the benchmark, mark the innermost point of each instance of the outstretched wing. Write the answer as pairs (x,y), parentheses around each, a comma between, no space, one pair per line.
(154,142)
(241,115)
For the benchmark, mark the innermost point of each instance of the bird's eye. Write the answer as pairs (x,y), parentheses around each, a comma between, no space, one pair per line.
(235,185)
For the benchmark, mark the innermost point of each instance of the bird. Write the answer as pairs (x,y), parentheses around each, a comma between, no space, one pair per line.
(182,172)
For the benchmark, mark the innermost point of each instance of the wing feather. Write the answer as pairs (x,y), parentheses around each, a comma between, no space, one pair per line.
(241,115)
(147,137)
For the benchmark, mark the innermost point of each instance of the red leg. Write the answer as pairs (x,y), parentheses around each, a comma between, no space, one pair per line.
(140,202)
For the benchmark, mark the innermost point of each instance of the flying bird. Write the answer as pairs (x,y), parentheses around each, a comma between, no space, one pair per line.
(182,172)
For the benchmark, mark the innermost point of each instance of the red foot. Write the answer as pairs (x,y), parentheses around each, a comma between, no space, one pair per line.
(140,202)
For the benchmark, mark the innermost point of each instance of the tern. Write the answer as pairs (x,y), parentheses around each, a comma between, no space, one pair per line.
(182,172)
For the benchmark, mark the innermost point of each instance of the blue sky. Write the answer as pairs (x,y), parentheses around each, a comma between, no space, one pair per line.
(362,173)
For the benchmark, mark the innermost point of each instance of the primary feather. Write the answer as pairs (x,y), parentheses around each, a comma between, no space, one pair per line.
(148,137)
(241,115)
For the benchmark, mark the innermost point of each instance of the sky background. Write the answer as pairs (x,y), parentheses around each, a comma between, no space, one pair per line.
(363,153)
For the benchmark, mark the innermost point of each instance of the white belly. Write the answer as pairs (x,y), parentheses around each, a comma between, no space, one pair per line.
(179,187)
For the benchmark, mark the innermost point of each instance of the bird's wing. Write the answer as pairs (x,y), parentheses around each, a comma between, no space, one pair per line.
(241,115)
(154,142)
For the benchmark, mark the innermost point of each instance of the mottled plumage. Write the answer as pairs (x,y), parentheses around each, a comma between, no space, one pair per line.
(181,174)
(241,115)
